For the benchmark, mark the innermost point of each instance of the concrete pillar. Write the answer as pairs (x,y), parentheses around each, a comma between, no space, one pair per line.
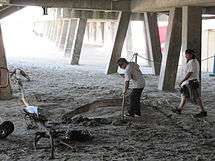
(153,40)
(94,30)
(51,29)
(70,37)
(88,31)
(107,35)
(5,93)
(170,58)
(129,44)
(63,34)
(98,33)
(119,41)
(113,27)
(149,56)
(54,29)
(57,24)
(44,28)
(192,30)
(102,31)
(55,33)
(59,31)
(48,28)
(75,56)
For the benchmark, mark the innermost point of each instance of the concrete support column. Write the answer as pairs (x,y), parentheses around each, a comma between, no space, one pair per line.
(98,33)
(63,34)
(102,31)
(70,37)
(48,28)
(153,40)
(149,56)
(57,24)
(5,93)
(108,35)
(54,29)
(51,29)
(129,44)
(94,31)
(113,27)
(88,31)
(44,28)
(192,30)
(170,58)
(119,41)
(75,56)
(59,31)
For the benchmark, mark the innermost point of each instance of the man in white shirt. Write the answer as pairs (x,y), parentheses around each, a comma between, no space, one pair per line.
(190,86)
(132,72)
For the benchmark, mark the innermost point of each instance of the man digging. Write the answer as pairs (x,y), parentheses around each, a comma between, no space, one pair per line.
(132,72)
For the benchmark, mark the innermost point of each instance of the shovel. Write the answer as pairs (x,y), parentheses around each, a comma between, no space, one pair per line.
(123,106)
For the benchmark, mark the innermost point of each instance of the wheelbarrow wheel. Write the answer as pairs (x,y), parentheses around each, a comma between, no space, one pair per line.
(6,128)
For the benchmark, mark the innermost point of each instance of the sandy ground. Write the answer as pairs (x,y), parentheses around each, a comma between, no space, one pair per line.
(159,135)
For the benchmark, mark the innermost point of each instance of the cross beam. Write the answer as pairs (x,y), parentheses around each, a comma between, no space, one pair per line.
(115,5)
(162,5)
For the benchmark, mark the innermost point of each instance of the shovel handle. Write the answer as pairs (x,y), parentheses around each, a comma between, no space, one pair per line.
(123,106)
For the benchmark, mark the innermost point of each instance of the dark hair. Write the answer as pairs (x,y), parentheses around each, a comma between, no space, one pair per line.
(121,61)
(191,51)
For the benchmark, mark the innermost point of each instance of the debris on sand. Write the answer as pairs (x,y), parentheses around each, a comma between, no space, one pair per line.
(79,135)
(85,121)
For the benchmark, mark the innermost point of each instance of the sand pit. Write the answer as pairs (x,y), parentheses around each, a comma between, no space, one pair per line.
(158,135)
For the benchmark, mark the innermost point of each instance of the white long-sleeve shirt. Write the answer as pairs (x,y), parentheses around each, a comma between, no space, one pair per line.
(133,72)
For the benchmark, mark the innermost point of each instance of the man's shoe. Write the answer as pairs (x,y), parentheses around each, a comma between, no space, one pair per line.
(129,115)
(200,114)
(176,110)
(137,115)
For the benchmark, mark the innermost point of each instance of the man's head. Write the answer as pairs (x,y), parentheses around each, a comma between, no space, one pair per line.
(190,54)
(122,62)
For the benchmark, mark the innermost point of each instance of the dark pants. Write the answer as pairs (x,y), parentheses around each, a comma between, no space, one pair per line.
(134,107)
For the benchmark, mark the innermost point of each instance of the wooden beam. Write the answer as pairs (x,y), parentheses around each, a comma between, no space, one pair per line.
(115,5)
(170,57)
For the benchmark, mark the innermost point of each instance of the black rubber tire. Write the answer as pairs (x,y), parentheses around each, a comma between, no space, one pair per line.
(6,128)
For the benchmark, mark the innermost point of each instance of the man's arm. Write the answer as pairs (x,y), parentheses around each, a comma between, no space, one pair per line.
(126,87)
(186,77)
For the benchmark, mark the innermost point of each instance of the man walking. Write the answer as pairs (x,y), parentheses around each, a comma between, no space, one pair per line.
(132,72)
(190,86)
